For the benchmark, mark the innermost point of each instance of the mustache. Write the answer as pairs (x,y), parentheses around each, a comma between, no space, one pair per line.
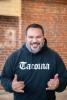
(35,43)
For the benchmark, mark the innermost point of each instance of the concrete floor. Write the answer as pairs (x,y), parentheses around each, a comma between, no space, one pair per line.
(7,96)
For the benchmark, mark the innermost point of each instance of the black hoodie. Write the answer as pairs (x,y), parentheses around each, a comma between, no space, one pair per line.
(35,70)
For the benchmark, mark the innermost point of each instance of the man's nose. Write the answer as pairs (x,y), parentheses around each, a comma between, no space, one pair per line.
(34,39)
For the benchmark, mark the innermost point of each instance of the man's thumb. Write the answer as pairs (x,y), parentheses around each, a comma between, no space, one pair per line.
(15,77)
(56,76)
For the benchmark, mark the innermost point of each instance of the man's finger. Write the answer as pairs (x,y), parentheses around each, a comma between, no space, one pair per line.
(56,76)
(15,77)
(19,91)
(20,85)
(48,88)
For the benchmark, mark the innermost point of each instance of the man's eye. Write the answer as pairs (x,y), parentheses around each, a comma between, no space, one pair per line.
(30,37)
(38,36)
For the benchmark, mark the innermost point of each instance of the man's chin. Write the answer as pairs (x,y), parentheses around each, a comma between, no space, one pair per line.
(35,50)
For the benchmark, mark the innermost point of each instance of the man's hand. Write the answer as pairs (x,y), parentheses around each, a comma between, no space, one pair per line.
(53,83)
(17,86)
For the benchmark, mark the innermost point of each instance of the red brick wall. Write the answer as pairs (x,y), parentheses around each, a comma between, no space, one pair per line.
(53,17)
(8,37)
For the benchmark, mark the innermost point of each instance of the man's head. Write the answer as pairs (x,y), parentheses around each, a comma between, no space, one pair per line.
(35,26)
(34,38)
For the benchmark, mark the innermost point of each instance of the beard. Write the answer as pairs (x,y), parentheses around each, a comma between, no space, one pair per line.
(35,49)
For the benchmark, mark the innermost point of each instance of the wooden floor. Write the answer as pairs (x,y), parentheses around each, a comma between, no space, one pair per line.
(62,95)
(7,96)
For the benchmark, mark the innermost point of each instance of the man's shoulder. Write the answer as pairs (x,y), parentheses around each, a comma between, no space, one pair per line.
(52,51)
(18,51)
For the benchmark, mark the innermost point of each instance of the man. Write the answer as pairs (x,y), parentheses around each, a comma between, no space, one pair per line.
(34,72)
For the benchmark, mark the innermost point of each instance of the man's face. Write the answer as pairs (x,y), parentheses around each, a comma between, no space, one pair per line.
(34,39)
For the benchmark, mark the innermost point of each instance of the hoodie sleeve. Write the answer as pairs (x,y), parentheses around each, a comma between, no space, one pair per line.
(65,76)
(60,69)
(8,73)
